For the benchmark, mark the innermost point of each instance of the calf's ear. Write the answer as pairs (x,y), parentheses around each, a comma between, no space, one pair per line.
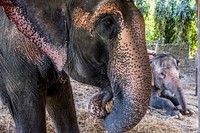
(178,62)
(151,54)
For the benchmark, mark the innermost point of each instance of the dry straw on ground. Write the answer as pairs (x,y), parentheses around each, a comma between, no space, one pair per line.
(153,122)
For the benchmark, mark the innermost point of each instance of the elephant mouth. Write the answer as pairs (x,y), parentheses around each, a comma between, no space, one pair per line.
(109,107)
(102,103)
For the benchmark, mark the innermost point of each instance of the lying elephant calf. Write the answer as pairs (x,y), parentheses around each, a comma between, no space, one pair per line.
(167,92)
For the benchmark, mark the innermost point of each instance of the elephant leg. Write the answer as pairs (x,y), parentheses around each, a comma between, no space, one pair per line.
(169,95)
(4,97)
(166,104)
(97,105)
(27,107)
(23,91)
(61,108)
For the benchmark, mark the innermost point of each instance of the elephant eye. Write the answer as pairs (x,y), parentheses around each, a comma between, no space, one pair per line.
(107,26)
(108,22)
(162,75)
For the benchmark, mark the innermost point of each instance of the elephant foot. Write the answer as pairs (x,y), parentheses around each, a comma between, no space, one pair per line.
(188,112)
(97,104)
(174,114)
(179,116)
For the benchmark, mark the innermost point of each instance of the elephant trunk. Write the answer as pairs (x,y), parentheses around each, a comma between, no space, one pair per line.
(130,76)
(173,83)
(178,90)
(131,101)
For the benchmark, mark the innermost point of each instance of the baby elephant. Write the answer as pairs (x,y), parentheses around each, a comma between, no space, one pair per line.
(167,92)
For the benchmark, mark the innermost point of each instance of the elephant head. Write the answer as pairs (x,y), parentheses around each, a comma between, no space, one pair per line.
(165,69)
(97,42)
(110,36)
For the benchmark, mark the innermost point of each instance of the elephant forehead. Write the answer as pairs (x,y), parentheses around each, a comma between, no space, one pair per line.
(107,8)
(173,72)
(86,20)
(167,65)
(80,17)
(128,54)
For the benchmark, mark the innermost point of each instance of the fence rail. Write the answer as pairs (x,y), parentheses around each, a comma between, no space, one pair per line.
(181,50)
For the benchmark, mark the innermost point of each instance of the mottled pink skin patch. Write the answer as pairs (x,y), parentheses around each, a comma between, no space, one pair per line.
(14,13)
(2,2)
(86,20)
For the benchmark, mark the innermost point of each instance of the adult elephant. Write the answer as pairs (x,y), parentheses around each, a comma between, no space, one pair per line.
(101,43)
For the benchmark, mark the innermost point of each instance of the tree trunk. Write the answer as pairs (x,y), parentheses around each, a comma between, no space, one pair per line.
(198,15)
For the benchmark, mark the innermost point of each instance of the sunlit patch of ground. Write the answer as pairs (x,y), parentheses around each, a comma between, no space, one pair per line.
(153,122)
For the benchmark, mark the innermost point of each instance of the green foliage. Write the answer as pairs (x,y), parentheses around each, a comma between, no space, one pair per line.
(144,7)
(193,31)
(183,20)
(165,21)
(147,8)
(170,21)
(193,39)
(173,19)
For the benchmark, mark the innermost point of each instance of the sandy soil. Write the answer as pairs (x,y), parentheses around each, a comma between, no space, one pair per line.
(153,122)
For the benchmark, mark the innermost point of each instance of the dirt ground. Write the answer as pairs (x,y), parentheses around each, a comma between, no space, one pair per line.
(153,122)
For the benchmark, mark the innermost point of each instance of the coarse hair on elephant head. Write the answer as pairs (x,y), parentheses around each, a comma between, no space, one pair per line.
(165,68)
(101,43)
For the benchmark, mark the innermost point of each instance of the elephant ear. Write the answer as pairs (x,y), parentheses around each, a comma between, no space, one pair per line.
(3,2)
(151,54)
(58,55)
(178,62)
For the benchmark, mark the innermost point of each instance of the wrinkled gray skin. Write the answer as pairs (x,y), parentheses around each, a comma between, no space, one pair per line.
(167,92)
(100,43)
